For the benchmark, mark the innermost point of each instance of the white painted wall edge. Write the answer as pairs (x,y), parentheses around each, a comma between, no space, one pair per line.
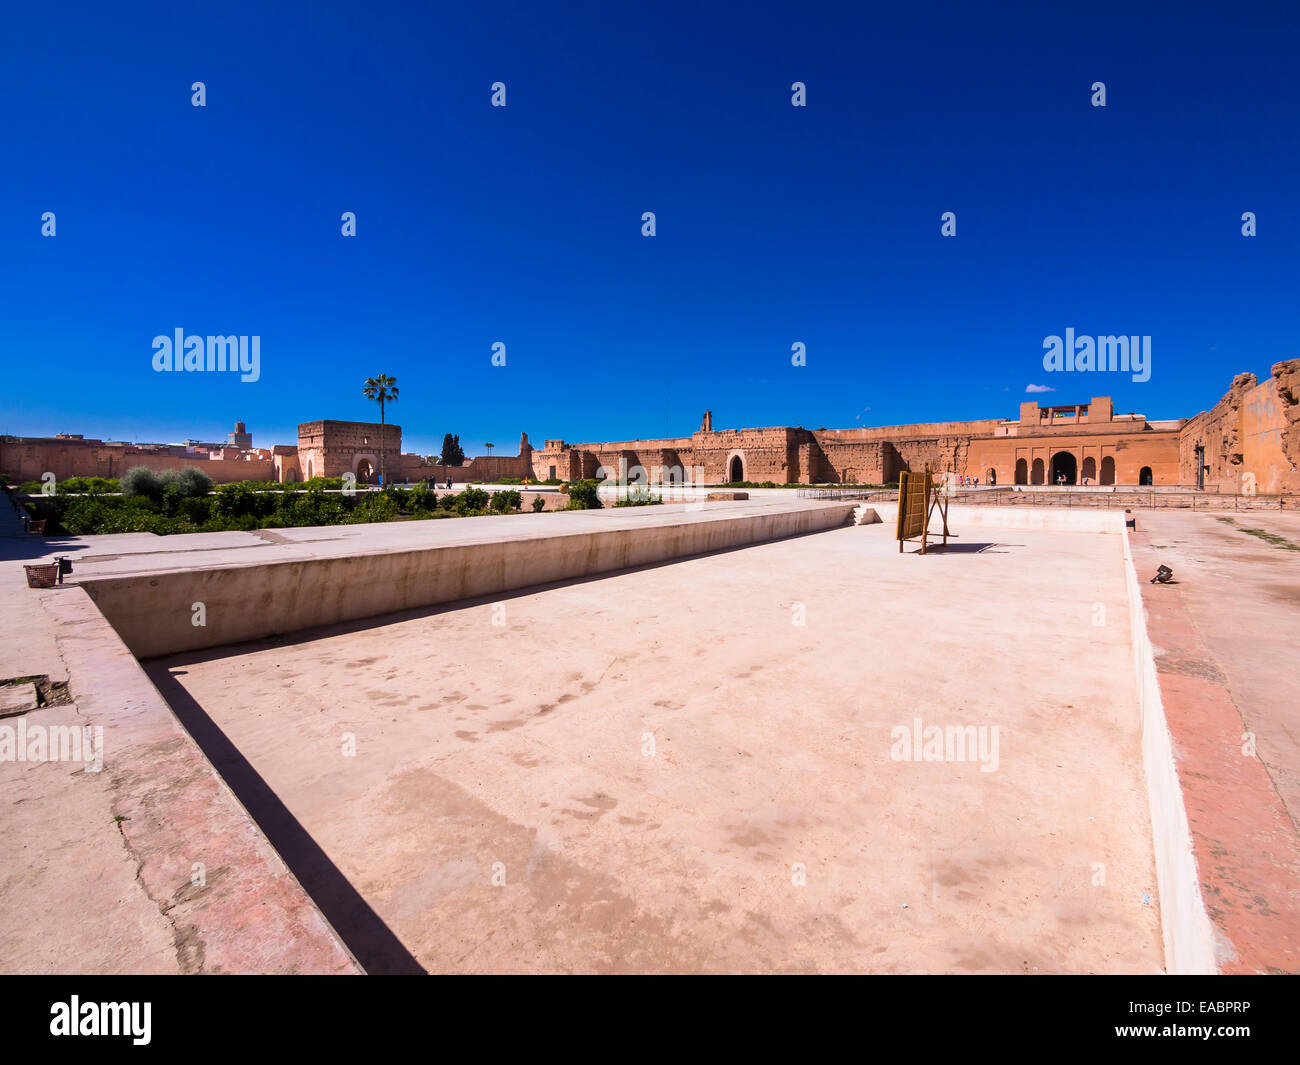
(1184,921)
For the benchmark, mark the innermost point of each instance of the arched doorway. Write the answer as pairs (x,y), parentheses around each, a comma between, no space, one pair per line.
(365,472)
(736,470)
(1065,468)
(291,476)
(990,476)
(1038,476)
(1090,470)
(1108,470)
(1144,475)
(310,474)
(1022,471)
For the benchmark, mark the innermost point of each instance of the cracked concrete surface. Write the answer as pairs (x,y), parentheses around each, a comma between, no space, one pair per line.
(97,869)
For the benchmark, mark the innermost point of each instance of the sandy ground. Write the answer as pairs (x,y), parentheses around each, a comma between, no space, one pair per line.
(688,767)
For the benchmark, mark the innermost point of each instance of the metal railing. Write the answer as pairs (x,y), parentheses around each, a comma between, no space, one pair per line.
(870,495)
(1125,498)
(1131,499)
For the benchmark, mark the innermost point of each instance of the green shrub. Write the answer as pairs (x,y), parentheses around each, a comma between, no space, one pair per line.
(235,501)
(194,482)
(141,481)
(471,501)
(88,486)
(583,496)
(502,502)
(91,517)
(421,498)
(318,507)
(85,517)
(639,499)
(196,511)
(539,504)
(377,506)
(172,495)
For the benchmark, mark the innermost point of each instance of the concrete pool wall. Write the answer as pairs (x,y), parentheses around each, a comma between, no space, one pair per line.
(155,612)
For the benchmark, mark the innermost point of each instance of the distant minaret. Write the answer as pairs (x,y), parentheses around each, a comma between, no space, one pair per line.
(241,438)
(706,426)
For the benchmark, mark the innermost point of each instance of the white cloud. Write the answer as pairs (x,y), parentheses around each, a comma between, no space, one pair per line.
(1038,388)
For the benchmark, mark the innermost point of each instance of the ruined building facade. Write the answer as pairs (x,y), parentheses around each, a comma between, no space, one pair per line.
(1248,442)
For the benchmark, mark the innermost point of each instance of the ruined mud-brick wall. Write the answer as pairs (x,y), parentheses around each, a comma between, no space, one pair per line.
(1270,430)
(1255,429)
(494,467)
(915,431)
(1158,451)
(574,462)
(783,455)
(1218,430)
(30,460)
(285,460)
(940,454)
(331,448)
(1286,382)
(766,454)
(845,462)
(658,464)
(481,468)
(877,455)
(567,463)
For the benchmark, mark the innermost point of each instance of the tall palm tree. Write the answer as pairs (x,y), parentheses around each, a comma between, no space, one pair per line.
(382,389)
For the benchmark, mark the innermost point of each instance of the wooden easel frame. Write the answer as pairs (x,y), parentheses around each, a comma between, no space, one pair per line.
(936,498)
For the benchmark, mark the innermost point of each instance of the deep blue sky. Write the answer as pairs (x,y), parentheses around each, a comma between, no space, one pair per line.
(522,225)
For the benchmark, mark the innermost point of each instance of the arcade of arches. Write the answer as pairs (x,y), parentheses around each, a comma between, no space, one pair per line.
(1065,470)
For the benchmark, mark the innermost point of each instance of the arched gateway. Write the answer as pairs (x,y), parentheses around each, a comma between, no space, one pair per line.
(1065,468)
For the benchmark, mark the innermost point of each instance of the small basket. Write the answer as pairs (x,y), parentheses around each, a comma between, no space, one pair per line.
(37,525)
(46,575)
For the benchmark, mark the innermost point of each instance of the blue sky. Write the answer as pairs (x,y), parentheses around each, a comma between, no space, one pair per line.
(522,224)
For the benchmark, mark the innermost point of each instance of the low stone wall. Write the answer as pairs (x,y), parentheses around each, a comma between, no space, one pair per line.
(31,460)
(152,611)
